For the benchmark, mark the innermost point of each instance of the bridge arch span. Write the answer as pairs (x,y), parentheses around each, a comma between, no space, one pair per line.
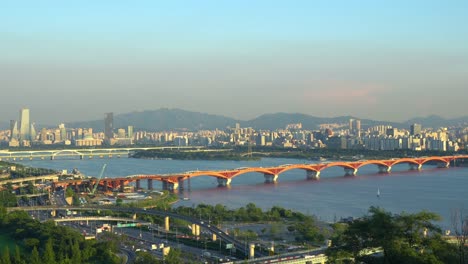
(298,167)
(406,160)
(65,151)
(249,170)
(374,162)
(435,159)
(344,165)
(206,173)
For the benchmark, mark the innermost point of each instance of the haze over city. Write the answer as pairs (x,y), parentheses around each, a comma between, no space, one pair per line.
(386,61)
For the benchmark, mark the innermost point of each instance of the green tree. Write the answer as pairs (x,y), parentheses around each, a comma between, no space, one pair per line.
(35,259)
(404,238)
(173,257)
(6,256)
(69,192)
(49,255)
(146,258)
(17,257)
(75,253)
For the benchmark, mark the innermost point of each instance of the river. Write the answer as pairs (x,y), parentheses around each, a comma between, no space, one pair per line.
(330,198)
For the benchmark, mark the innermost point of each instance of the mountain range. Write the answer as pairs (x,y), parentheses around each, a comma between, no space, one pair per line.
(177,119)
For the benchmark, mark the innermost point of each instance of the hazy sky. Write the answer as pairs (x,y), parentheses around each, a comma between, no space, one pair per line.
(388,60)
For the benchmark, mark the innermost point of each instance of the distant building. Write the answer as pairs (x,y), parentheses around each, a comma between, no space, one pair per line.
(25,126)
(130,131)
(108,127)
(121,133)
(14,132)
(355,127)
(415,129)
(337,142)
(33,133)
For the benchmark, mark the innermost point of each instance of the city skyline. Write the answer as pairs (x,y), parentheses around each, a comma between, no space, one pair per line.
(181,112)
(383,61)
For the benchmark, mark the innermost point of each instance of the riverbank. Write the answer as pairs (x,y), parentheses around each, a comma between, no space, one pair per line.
(193,155)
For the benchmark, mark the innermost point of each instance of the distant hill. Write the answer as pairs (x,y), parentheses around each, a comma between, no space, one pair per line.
(177,119)
(163,119)
(435,121)
(280,120)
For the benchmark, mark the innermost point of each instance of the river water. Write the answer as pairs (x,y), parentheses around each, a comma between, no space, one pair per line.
(330,198)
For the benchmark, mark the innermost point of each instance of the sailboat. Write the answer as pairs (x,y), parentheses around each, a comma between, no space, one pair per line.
(378,192)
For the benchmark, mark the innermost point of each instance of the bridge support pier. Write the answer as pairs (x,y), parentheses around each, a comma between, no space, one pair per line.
(270,178)
(52,157)
(122,186)
(415,166)
(223,182)
(150,184)
(170,186)
(138,185)
(384,169)
(443,164)
(81,157)
(350,171)
(181,184)
(313,175)
(166,223)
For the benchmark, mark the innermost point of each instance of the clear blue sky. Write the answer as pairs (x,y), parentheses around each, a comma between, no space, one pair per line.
(389,60)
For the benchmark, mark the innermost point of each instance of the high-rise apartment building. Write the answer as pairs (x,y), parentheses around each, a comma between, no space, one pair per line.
(130,131)
(25,126)
(355,127)
(109,126)
(415,129)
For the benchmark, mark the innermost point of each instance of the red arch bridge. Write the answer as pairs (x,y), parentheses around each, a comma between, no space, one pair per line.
(175,181)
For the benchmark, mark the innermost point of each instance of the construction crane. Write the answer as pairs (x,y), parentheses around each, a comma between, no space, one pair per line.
(99,178)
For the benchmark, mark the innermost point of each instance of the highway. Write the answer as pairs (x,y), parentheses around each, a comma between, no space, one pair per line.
(240,246)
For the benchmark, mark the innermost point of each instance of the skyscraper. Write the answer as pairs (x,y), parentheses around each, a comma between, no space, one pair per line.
(357,127)
(351,125)
(25,126)
(109,126)
(130,131)
(14,133)
(32,132)
(415,129)
(63,132)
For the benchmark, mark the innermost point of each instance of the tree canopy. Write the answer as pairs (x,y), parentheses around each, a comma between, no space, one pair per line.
(402,238)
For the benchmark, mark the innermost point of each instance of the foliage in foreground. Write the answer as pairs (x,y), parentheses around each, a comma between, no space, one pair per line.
(404,238)
(47,243)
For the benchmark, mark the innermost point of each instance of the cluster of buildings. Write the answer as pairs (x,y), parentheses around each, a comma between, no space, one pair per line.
(350,135)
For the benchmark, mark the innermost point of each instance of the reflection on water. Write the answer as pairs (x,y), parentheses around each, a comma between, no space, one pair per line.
(333,196)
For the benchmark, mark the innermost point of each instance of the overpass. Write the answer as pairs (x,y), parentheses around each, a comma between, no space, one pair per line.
(35,179)
(215,231)
(6,155)
(175,181)
(98,218)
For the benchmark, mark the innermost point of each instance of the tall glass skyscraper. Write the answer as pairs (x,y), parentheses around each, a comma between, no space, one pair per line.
(14,133)
(109,126)
(25,126)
